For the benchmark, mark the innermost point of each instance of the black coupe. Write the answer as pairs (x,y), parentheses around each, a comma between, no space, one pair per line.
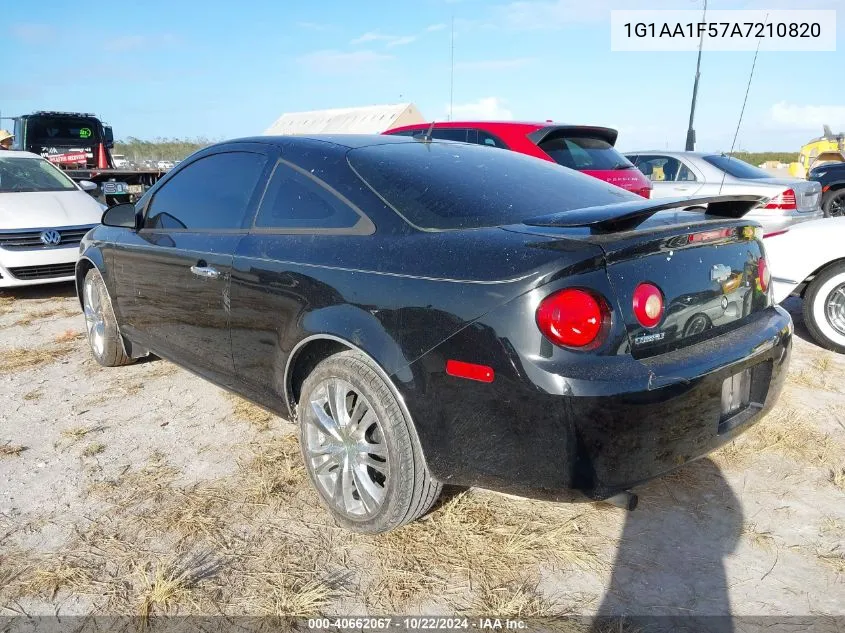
(436,312)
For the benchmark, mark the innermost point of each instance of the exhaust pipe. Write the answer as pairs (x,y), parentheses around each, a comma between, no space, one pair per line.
(626,500)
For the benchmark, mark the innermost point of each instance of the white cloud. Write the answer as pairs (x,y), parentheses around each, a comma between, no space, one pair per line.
(494,64)
(331,61)
(485,108)
(435,27)
(389,40)
(125,43)
(807,117)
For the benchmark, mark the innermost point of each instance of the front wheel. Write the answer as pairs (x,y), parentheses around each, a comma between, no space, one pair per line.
(100,323)
(824,308)
(360,450)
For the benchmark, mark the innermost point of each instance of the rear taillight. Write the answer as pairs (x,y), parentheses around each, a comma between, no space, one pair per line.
(785,200)
(645,192)
(573,318)
(763,274)
(648,305)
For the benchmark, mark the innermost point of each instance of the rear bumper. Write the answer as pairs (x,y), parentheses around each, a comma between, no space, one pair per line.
(777,221)
(600,434)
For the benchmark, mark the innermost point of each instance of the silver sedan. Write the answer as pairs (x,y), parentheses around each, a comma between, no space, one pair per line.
(674,174)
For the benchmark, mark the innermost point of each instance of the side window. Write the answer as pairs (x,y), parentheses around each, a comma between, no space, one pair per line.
(450,134)
(404,133)
(297,200)
(662,168)
(685,173)
(211,193)
(485,138)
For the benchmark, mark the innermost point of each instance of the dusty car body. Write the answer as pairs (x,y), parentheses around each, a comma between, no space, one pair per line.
(433,312)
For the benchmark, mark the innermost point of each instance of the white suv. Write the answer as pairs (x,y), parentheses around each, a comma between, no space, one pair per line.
(43,217)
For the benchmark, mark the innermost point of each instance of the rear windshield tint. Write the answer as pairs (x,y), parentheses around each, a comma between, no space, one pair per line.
(443,186)
(581,152)
(736,168)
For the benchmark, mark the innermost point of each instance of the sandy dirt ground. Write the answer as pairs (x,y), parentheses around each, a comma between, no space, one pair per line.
(144,490)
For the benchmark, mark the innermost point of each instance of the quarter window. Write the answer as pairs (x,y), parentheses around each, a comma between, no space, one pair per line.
(297,200)
(485,138)
(211,193)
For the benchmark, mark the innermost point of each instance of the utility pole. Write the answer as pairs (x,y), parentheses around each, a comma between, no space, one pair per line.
(690,146)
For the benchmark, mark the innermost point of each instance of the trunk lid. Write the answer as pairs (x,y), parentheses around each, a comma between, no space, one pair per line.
(807,192)
(707,267)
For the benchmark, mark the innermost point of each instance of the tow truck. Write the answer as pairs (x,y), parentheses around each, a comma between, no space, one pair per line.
(80,143)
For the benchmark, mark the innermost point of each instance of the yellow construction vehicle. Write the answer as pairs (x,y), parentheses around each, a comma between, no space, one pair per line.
(829,148)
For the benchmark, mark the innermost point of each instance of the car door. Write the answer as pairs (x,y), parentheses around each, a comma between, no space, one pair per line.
(670,177)
(275,280)
(173,275)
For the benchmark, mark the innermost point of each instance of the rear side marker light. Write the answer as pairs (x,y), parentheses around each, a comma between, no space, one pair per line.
(470,371)
(785,200)
(763,274)
(709,236)
(825,188)
(648,305)
(572,318)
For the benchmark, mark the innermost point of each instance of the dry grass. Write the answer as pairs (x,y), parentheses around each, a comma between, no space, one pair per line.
(35,394)
(275,471)
(95,448)
(514,600)
(76,433)
(49,579)
(248,412)
(11,450)
(832,525)
(833,559)
(760,539)
(29,358)
(479,539)
(837,477)
(170,583)
(288,595)
(67,336)
(50,313)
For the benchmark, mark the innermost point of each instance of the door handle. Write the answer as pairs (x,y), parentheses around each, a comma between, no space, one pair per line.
(205,271)
(682,188)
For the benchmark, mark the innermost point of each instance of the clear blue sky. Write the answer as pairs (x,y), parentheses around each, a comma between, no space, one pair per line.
(185,68)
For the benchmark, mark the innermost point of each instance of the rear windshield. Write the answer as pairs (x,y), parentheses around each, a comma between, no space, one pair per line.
(577,152)
(61,129)
(735,167)
(439,186)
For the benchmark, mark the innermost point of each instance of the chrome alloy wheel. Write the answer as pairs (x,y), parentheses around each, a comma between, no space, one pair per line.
(95,322)
(345,448)
(835,309)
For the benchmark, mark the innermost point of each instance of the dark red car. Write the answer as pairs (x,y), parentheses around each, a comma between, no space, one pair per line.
(584,148)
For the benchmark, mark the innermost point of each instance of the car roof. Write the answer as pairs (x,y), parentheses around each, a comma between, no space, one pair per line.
(350,141)
(19,154)
(664,152)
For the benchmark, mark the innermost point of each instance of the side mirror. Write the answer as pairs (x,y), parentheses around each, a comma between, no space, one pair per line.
(121,216)
(87,185)
(108,136)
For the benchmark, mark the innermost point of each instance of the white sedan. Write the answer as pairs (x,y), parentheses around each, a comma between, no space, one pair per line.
(808,260)
(43,216)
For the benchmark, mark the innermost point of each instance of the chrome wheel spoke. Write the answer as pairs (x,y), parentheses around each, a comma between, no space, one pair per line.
(324,422)
(337,402)
(835,309)
(368,491)
(345,449)
(365,459)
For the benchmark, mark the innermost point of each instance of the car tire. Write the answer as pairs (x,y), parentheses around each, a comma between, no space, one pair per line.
(360,449)
(824,308)
(100,323)
(834,203)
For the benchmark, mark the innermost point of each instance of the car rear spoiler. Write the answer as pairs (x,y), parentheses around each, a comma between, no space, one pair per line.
(624,216)
(551,132)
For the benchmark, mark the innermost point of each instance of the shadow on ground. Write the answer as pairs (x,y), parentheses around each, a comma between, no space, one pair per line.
(668,572)
(42,291)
